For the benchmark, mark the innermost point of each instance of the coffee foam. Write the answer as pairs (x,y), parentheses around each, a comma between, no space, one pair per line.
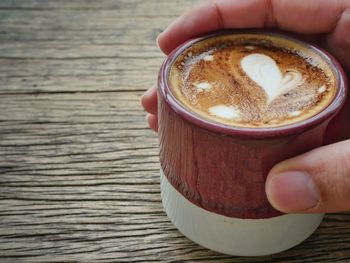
(225,112)
(252,80)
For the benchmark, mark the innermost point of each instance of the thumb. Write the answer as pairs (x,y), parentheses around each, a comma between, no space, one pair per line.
(315,182)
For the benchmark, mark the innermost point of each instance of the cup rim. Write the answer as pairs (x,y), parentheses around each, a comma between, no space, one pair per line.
(260,132)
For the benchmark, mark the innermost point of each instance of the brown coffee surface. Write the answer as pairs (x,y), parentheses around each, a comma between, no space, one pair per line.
(251,80)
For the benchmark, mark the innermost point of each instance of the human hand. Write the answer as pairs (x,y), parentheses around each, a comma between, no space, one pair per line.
(317,181)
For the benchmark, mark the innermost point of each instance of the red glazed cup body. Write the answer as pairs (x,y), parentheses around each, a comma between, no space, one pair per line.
(222,168)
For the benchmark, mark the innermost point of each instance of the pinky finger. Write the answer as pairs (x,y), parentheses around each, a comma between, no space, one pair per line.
(152,121)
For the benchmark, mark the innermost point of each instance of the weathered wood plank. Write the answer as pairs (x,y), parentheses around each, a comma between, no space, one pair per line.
(69,47)
(79,169)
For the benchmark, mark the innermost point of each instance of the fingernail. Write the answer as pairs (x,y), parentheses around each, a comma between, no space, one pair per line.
(147,93)
(292,192)
(157,41)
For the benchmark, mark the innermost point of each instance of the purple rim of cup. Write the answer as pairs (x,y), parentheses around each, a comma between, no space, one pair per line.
(267,132)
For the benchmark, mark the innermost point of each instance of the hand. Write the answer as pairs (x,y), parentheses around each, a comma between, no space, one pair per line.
(317,181)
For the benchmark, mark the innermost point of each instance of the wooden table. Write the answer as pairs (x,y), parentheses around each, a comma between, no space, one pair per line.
(79,171)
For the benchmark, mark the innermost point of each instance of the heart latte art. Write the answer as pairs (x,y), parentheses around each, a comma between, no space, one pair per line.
(266,73)
(252,80)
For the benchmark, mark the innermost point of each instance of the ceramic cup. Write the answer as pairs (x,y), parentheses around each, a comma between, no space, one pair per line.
(213,175)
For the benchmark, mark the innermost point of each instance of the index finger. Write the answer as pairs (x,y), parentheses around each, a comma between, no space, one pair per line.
(300,16)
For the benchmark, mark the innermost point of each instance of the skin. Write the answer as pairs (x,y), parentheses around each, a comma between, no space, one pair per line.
(312,182)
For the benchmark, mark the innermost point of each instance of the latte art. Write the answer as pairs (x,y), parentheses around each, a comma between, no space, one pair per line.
(252,80)
(265,72)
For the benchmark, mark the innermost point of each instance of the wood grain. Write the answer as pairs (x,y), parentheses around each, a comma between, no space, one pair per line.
(79,170)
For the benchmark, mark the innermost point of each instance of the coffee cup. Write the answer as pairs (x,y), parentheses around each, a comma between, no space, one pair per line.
(224,127)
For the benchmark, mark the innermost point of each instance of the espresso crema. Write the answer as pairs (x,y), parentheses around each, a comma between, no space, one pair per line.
(252,80)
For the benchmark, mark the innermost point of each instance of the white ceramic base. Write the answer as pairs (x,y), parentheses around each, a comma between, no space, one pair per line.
(235,236)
